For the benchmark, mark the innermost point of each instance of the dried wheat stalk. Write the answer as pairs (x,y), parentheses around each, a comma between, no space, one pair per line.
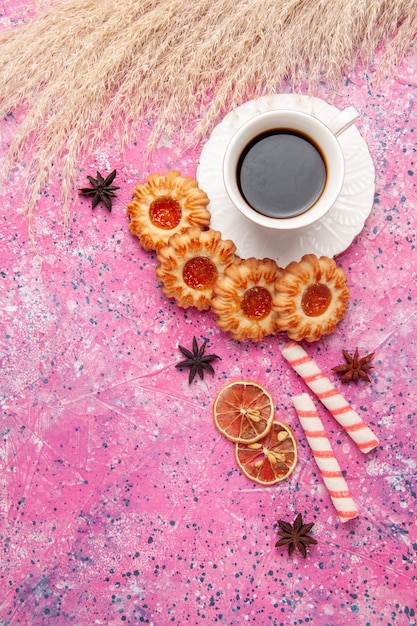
(82,67)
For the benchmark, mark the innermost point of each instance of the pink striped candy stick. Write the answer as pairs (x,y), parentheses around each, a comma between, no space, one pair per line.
(327,393)
(325,458)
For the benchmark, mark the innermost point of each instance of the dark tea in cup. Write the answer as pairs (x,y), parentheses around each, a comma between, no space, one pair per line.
(281,173)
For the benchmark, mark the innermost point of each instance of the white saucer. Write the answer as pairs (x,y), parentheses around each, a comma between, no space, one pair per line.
(329,236)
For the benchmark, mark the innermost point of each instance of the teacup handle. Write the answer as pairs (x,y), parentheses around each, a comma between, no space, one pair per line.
(343,120)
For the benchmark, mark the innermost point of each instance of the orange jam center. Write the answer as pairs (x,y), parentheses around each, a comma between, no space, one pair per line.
(256,303)
(199,272)
(165,213)
(316,300)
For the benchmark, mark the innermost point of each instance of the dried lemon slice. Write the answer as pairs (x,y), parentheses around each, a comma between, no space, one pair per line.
(243,411)
(270,459)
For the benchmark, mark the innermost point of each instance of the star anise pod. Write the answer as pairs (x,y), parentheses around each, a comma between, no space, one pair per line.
(295,536)
(102,189)
(355,367)
(196,360)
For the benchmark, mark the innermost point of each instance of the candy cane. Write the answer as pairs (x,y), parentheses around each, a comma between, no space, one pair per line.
(327,393)
(325,458)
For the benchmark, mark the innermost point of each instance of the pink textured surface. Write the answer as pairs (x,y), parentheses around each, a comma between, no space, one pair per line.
(120,502)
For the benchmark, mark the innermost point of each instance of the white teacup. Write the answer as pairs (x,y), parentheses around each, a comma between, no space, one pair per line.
(284,169)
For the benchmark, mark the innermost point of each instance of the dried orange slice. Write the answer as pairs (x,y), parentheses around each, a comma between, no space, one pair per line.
(243,411)
(270,459)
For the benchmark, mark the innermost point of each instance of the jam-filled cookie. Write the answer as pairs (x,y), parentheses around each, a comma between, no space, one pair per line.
(311,298)
(165,205)
(243,299)
(191,263)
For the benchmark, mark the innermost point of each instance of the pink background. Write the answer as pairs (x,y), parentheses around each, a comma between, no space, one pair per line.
(120,502)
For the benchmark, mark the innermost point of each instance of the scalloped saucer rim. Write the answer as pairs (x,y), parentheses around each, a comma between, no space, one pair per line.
(331,235)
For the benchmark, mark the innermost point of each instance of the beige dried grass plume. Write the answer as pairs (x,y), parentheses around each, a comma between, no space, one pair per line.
(82,67)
